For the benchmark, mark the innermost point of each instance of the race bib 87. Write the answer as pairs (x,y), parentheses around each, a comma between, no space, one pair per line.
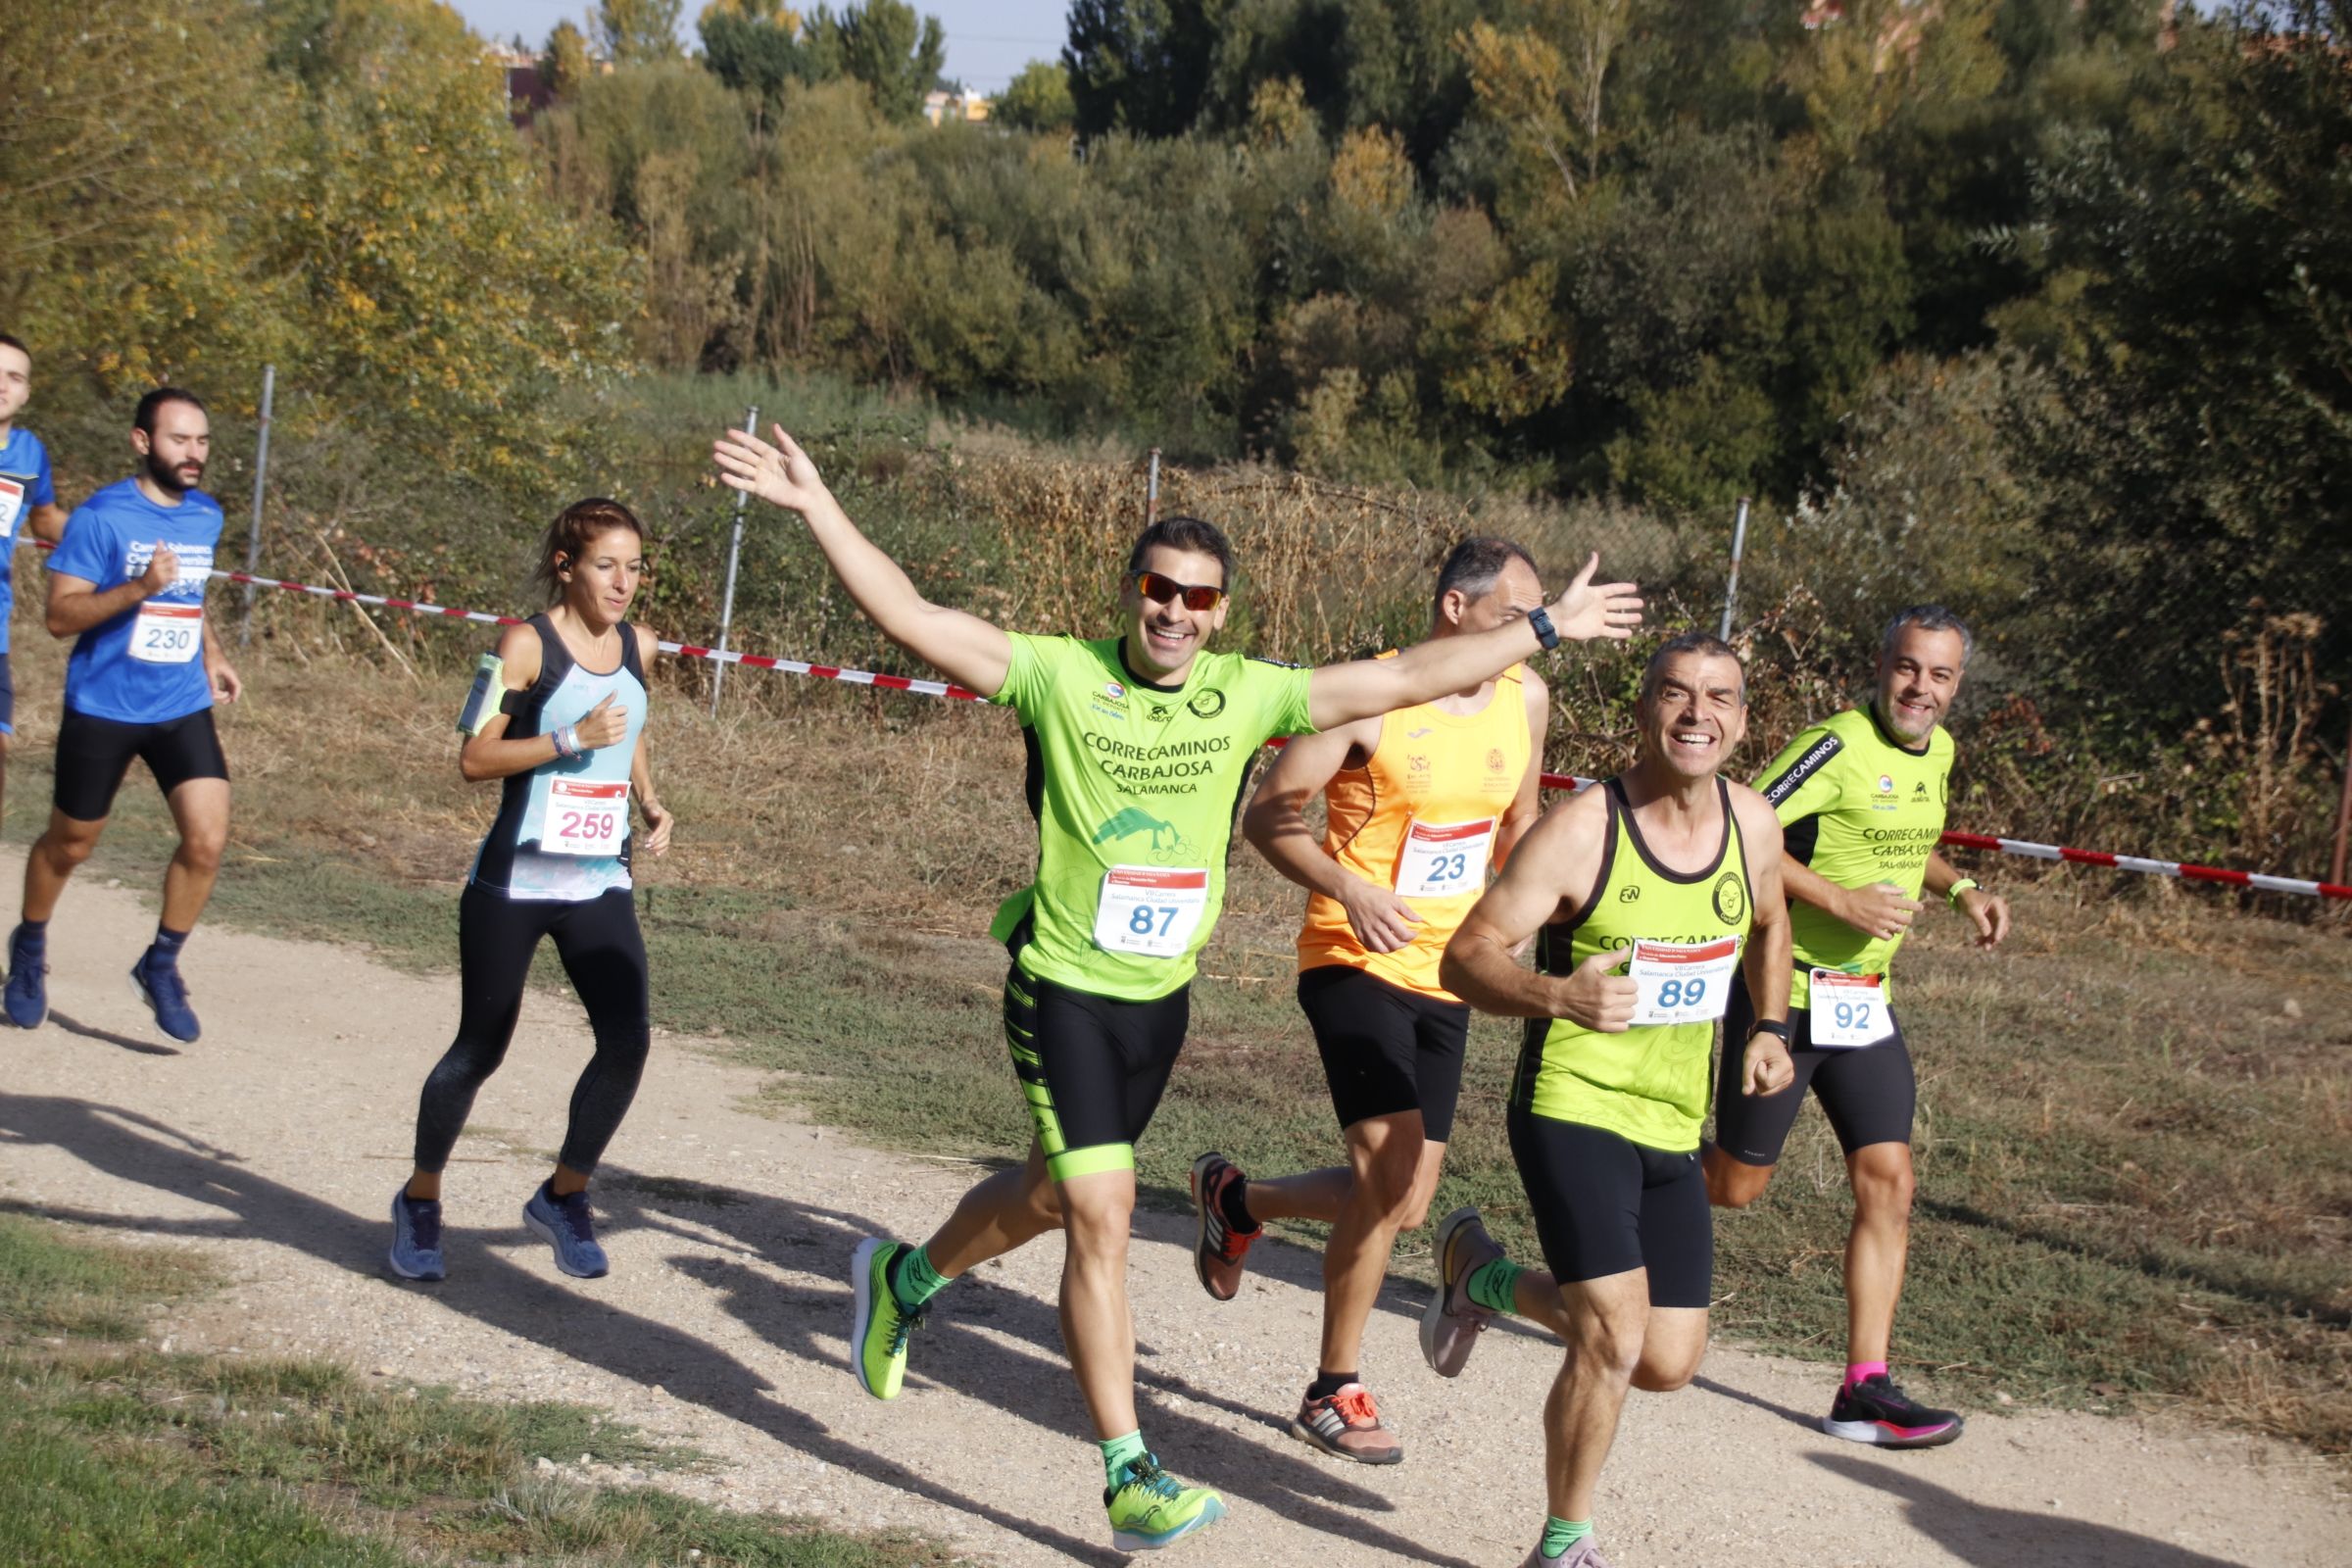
(1150,911)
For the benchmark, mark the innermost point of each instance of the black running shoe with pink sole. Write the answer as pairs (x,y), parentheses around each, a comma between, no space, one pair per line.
(1876,1412)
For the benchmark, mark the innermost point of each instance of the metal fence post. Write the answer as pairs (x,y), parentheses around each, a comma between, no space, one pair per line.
(260,479)
(1731,589)
(1152,491)
(726,607)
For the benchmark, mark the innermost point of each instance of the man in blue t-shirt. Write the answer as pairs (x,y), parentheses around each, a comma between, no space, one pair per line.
(27,504)
(128,585)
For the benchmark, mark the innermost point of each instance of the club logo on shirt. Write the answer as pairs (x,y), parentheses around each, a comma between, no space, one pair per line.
(1630,893)
(1494,759)
(1731,898)
(1885,784)
(1205,703)
(1416,734)
(1168,845)
(1113,690)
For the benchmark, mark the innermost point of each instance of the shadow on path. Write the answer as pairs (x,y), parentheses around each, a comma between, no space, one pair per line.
(1989,1537)
(145,1048)
(991,1344)
(1811,1423)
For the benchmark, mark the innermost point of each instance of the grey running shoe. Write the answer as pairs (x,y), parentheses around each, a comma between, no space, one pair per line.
(1584,1554)
(1217,1248)
(415,1237)
(1453,1322)
(565,1224)
(1346,1424)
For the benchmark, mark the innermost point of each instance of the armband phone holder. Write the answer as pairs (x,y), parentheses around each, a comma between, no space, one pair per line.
(485,700)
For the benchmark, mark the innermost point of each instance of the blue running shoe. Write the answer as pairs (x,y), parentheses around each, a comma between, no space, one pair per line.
(26,997)
(167,994)
(563,1223)
(417,1237)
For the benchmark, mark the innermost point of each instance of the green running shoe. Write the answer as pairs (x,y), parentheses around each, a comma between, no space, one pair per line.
(878,1335)
(1150,1510)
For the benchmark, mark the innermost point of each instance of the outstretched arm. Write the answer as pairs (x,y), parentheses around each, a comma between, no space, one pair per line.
(1340,694)
(962,647)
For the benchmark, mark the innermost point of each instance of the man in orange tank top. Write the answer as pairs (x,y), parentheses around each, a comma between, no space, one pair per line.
(1419,803)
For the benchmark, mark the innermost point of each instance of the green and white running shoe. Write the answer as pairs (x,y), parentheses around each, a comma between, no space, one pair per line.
(1149,1510)
(878,1334)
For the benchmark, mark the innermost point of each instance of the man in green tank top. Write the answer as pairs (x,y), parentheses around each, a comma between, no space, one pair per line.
(1139,744)
(1861,800)
(1648,895)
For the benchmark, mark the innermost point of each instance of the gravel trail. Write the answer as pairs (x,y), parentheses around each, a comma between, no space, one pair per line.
(273,1146)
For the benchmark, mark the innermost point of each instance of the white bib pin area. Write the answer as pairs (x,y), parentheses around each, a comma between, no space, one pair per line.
(167,634)
(1150,911)
(1683,982)
(585,818)
(1849,1009)
(12,505)
(1441,859)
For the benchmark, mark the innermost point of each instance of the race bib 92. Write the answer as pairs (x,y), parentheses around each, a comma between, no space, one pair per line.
(1846,1010)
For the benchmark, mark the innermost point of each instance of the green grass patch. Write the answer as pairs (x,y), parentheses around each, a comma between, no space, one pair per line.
(115,1455)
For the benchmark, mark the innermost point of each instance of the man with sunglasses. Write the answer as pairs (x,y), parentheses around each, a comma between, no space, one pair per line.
(1139,745)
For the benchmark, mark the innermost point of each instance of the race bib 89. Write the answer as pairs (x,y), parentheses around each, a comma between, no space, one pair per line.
(1683,982)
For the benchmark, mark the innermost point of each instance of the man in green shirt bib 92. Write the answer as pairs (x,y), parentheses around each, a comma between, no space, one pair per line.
(1671,875)
(1138,747)
(1861,799)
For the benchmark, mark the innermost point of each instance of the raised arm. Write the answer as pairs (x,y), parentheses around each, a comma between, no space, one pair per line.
(962,647)
(1339,694)
(1276,822)
(1557,863)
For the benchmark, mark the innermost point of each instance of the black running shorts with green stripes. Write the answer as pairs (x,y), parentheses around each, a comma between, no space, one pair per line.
(1093,1068)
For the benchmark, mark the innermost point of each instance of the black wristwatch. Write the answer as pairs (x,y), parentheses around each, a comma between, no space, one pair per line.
(1540,618)
(1778,1028)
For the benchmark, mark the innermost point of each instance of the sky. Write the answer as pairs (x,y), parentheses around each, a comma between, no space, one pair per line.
(988,40)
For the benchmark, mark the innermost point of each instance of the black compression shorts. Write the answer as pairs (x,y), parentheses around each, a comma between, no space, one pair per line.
(1386,1049)
(1604,1204)
(8,698)
(1093,1068)
(1869,1093)
(93,754)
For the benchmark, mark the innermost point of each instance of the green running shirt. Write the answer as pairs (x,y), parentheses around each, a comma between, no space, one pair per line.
(1126,774)
(1650,1083)
(1857,807)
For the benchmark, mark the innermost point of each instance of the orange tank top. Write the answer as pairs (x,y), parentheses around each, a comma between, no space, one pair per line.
(1420,816)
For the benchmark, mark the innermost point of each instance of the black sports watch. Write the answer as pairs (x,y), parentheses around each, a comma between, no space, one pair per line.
(1540,618)
(1778,1028)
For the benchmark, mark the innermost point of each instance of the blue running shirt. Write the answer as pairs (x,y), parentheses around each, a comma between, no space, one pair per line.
(146,665)
(24,484)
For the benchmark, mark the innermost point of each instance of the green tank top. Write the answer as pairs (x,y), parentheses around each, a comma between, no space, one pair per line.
(1857,807)
(1650,1083)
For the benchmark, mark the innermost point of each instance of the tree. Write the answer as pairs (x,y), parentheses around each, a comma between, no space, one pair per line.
(883,44)
(1139,66)
(564,63)
(1038,99)
(756,52)
(637,32)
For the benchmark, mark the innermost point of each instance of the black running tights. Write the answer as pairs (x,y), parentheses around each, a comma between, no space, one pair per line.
(603,954)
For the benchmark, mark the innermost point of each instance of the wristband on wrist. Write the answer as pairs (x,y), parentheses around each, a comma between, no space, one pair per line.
(1778,1028)
(1541,619)
(1951,894)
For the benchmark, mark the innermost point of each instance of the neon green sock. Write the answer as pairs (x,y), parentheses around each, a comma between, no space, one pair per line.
(1561,1534)
(914,1281)
(1492,1283)
(1117,1451)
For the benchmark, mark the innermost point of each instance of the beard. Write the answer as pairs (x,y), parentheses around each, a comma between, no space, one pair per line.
(166,475)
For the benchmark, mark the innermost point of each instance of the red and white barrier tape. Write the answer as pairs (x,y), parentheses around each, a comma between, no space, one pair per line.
(1551,781)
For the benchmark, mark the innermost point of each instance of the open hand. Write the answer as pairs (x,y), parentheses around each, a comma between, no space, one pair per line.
(780,474)
(1586,610)
(1989,912)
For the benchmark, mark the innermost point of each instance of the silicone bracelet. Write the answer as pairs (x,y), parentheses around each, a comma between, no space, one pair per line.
(1951,894)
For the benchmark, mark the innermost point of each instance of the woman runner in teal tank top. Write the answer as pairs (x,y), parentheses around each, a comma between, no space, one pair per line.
(558,714)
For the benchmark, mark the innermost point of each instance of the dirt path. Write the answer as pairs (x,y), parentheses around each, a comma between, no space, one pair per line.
(274,1143)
